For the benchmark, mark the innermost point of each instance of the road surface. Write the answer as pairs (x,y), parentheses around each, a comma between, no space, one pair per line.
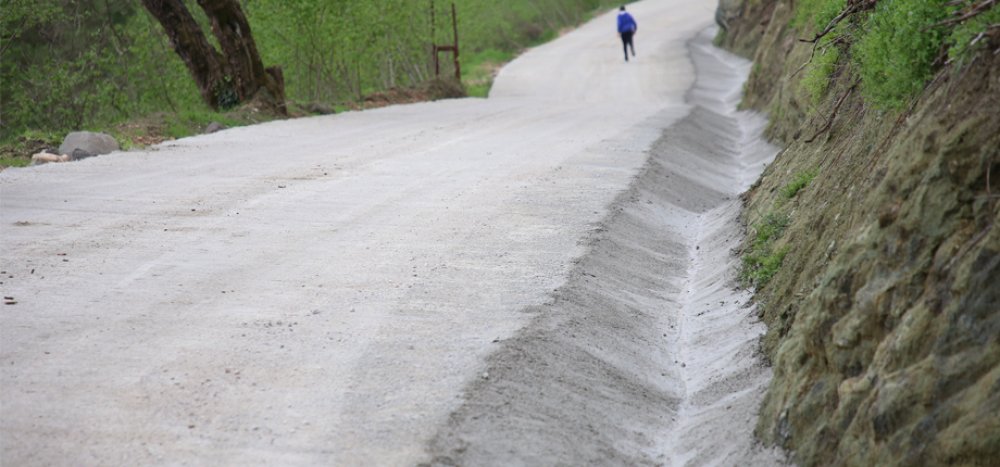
(374,288)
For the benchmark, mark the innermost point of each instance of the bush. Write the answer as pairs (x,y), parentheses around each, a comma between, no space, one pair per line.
(897,49)
(961,38)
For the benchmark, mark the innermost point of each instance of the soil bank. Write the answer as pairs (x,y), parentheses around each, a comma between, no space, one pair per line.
(884,317)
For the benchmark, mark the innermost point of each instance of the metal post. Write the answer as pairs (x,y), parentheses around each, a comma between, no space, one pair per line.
(454,27)
(434,47)
(437,49)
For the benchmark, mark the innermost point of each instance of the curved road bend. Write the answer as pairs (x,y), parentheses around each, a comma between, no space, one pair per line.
(320,290)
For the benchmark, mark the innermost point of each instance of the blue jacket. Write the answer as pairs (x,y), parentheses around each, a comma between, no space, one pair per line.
(626,23)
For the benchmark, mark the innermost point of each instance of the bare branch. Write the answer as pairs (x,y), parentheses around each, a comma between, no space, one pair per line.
(977,9)
(833,114)
(853,6)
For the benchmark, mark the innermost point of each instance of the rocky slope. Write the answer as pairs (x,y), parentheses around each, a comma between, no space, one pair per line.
(884,313)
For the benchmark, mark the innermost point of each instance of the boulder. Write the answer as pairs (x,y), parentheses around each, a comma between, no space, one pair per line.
(318,108)
(93,143)
(80,154)
(214,127)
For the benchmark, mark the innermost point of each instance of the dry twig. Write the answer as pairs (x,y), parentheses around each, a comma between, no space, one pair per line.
(812,54)
(853,6)
(833,114)
(974,10)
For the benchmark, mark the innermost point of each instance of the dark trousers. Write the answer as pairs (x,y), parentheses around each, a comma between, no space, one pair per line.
(627,42)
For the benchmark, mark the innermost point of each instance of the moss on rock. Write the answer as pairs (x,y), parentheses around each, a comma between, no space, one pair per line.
(884,318)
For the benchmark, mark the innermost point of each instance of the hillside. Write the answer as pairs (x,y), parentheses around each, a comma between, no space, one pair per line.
(108,66)
(874,241)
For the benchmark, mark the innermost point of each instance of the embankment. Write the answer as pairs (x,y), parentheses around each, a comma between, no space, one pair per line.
(883,311)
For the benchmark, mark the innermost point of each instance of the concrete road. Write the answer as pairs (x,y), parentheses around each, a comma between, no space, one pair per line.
(320,290)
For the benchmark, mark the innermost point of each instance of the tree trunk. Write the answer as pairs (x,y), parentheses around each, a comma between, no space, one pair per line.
(224,79)
(232,30)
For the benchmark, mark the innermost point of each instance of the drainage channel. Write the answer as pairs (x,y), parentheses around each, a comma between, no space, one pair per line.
(648,354)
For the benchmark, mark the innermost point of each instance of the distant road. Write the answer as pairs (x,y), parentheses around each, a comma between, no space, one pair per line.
(319,290)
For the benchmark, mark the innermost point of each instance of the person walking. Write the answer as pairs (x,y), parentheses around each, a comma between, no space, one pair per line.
(626,30)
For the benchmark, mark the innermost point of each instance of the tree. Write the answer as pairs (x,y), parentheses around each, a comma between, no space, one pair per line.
(226,78)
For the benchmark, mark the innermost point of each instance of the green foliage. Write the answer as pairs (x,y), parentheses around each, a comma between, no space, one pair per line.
(479,70)
(819,13)
(193,122)
(14,161)
(801,180)
(17,151)
(894,48)
(763,260)
(960,40)
(760,267)
(73,64)
(897,49)
(817,77)
(343,50)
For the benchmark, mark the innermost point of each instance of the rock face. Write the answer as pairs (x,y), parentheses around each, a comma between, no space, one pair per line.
(884,317)
(92,143)
(214,127)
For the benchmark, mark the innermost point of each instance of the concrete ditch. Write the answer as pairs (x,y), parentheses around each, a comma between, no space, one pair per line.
(648,355)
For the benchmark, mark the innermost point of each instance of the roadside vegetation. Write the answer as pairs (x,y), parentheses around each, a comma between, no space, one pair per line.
(107,65)
(765,252)
(764,257)
(895,46)
(882,324)
(800,181)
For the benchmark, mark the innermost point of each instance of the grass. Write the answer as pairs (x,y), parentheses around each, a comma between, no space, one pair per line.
(14,161)
(801,180)
(16,152)
(480,68)
(193,122)
(132,134)
(816,80)
(763,259)
(161,126)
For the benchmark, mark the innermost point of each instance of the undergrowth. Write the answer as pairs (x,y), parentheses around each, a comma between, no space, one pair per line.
(817,12)
(75,64)
(960,43)
(16,152)
(763,259)
(895,48)
(801,180)
(479,70)
(816,80)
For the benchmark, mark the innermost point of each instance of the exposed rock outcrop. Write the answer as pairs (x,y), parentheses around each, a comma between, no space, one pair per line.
(884,317)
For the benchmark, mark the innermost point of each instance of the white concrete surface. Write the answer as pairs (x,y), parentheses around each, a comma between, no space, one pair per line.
(316,291)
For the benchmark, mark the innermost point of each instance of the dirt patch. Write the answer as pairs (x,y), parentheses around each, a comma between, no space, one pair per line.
(435,89)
